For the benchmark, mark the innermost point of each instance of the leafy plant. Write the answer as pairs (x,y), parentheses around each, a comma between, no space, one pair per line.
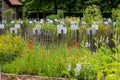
(92,14)
(9,15)
(10,47)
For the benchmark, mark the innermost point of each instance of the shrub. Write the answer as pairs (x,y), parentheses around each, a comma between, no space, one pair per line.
(10,47)
(9,15)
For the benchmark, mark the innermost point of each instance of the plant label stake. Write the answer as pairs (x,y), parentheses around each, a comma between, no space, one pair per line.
(74,26)
(91,41)
(77,35)
(62,36)
(1,28)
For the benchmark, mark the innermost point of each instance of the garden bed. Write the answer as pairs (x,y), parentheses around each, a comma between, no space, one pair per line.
(28,77)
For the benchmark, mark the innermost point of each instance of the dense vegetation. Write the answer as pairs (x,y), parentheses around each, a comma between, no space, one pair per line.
(71,6)
(51,47)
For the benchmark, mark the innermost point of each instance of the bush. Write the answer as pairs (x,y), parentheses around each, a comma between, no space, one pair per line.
(9,15)
(10,47)
(60,15)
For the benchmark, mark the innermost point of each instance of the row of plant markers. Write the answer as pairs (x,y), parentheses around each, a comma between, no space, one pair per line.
(106,21)
(60,26)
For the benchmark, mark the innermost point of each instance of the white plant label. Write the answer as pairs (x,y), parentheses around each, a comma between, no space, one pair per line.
(4,21)
(95,26)
(106,23)
(13,30)
(50,22)
(64,30)
(34,30)
(42,21)
(12,22)
(55,20)
(109,20)
(60,28)
(37,28)
(30,22)
(34,21)
(1,26)
(83,23)
(114,23)
(91,29)
(74,26)
(17,26)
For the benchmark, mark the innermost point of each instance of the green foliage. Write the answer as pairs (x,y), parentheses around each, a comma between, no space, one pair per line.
(52,17)
(92,14)
(10,47)
(116,16)
(60,15)
(112,77)
(9,15)
(52,62)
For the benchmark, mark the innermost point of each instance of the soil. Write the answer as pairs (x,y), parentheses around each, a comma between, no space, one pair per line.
(28,77)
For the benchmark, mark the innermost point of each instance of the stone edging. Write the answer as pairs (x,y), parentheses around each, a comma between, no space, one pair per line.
(28,77)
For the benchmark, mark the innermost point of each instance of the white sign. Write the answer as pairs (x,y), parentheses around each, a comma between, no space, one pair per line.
(83,23)
(13,30)
(17,26)
(109,20)
(30,22)
(74,26)
(42,21)
(106,23)
(34,30)
(12,22)
(4,21)
(91,29)
(95,26)
(55,20)
(1,26)
(50,22)
(34,21)
(37,28)
(60,28)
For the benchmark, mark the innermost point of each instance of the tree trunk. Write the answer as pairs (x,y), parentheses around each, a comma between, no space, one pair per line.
(55,6)
(37,13)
